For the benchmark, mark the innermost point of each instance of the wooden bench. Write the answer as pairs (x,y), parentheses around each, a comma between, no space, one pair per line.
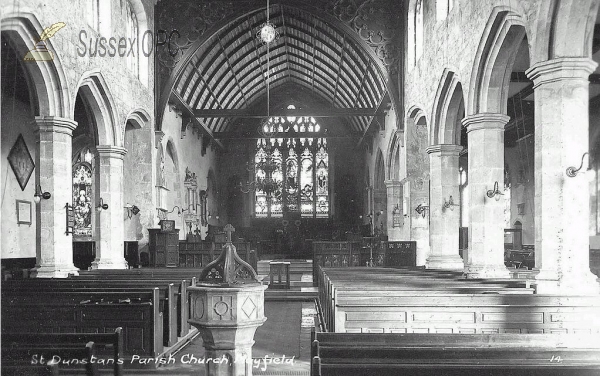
(112,342)
(138,312)
(19,358)
(26,368)
(454,354)
(381,300)
(174,298)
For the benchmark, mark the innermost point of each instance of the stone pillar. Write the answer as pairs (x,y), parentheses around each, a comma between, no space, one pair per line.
(394,202)
(444,223)
(54,249)
(110,244)
(485,258)
(561,202)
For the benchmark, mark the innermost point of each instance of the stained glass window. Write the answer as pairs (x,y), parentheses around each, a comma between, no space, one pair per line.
(287,166)
(82,194)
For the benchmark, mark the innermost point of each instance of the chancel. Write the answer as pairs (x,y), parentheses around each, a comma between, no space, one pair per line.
(310,187)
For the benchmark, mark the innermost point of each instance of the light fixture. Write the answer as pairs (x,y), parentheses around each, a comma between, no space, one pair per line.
(101,205)
(491,193)
(449,204)
(572,171)
(421,209)
(131,210)
(38,195)
(267,33)
(267,184)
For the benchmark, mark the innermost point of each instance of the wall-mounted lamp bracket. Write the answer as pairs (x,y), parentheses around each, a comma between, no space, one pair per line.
(421,209)
(38,195)
(449,204)
(101,205)
(572,171)
(491,193)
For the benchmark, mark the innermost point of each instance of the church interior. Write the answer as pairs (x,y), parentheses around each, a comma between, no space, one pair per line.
(300,187)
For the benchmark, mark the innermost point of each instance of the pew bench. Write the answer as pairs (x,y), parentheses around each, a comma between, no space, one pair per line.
(20,357)
(112,342)
(138,312)
(174,298)
(454,354)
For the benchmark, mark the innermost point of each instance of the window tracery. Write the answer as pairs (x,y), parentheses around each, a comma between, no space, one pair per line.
(288,166)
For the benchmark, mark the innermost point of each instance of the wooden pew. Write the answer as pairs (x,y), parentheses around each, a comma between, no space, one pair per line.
(26,368)
(18,358)
(173,298)
(90,311)
(370,300)
(108,341)
(454,354)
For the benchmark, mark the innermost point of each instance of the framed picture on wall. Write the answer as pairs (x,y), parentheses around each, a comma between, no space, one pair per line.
(23,212)
(21,162)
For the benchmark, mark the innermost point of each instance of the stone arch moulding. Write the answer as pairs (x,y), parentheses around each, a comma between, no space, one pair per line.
(49,81)
(490,77)
(393,164)
(379,170)
(446,106)
(139,118)
(569,34)
(94,89)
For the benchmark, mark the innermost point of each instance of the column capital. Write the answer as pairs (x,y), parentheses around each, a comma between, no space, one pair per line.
(392,183)
(445,149)
(485,120)
(564,68)
(111,151)
(55,124)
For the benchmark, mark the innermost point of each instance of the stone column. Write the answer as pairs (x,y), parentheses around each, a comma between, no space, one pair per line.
(485,258)
(110,244)
(444,223)
(394,200)
(53,171)
(561,202)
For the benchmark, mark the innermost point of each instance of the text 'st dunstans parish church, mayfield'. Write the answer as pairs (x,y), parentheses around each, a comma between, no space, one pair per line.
(300,187)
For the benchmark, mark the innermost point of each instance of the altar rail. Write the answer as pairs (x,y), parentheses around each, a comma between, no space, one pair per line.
(439,303)
(200,254)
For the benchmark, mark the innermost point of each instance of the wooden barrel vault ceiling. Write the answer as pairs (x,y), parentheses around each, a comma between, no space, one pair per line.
(342,54)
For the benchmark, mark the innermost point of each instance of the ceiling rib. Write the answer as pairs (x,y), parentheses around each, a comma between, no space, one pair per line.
(312,54)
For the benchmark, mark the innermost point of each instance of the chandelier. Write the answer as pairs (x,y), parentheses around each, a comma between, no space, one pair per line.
(265,165)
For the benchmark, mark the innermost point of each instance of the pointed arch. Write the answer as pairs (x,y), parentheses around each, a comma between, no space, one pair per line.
(448,109)
(569,32)
(393,160)
(379,176)
(95,92)
(490,77)
(48,82)
(140,118)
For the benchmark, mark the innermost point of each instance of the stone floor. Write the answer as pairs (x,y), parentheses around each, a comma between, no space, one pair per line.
(284,338)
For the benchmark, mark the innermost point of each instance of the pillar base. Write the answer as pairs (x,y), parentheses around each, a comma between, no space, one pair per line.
(109,264)
(486,271)
(54,271)
(585,283)
(446,262)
